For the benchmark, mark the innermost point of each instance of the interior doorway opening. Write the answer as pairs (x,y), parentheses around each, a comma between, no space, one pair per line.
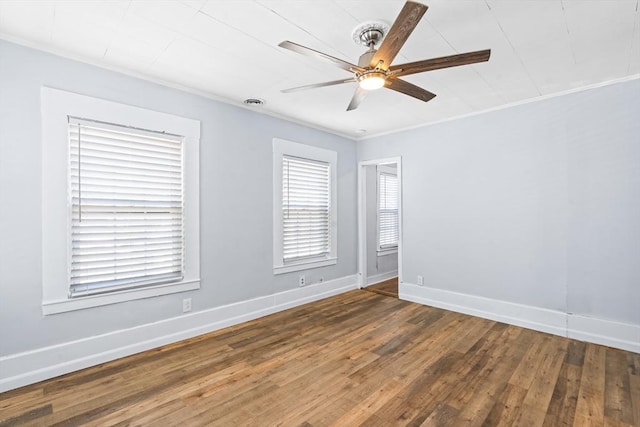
(380,224)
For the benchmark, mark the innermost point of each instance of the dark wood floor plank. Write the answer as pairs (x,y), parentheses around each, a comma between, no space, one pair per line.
(388,288)
(536,403)
(525,373)
(14,404)
(368,400)
(474,329)
(27,416)
(562,407)
(438,381)
(617,396)
(590,405)
(634,384)
(507,407)
(481,393)
(358,358)
(575,353)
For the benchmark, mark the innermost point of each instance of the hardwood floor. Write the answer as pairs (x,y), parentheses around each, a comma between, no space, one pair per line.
(388,288)
(354,359)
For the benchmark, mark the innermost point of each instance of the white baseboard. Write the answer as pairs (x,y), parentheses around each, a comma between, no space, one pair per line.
(606,332)
(540,319)
(600,331)
(381,277)
(30,367)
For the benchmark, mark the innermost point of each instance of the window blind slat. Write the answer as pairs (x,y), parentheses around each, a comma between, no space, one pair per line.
(126,255)
(123,163)
(83,247)
(126,283)
(126,196)
(109,145)
(127,136)
(121,270)
(141,187)
(119,172)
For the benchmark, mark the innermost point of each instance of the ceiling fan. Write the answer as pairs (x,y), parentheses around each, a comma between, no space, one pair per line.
(374,69)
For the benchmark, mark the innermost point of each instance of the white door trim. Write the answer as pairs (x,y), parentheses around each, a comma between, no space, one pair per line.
(362,218)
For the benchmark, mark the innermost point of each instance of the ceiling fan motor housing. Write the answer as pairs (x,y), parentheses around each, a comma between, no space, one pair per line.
(370,33)
(371,36)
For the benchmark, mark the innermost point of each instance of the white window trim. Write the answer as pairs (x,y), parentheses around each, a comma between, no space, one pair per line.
(56,106)
(386,250)
(281,148)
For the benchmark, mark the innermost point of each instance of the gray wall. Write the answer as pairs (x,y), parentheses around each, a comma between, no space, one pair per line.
(375,264)
(538,204)
(235,192)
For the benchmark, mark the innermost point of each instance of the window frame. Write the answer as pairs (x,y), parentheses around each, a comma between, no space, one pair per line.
(56,107)
(283,148)
(386,249)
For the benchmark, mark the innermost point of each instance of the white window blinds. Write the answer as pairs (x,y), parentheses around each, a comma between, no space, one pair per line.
(126,207)
(306,208)
(387,210)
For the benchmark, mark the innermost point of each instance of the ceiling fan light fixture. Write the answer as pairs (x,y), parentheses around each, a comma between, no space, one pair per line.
(371,81)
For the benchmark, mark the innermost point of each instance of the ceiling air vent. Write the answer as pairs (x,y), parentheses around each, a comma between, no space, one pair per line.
(254,102)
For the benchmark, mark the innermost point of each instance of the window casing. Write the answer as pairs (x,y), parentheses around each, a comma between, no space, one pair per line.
(387,211)
(305,209)
(72,198)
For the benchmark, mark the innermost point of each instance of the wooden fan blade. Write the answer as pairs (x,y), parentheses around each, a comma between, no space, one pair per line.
(442,62)
(315,54)
(358,96)
(398,34)
(315,85)
(409,89)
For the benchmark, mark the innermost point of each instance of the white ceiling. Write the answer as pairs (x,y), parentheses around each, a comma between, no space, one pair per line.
(228,50)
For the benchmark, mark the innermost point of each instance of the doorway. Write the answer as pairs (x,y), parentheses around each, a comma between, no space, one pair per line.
(379,225)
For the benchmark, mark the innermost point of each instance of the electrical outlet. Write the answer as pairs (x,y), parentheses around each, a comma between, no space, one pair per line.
(301,281)
(186,305)
(420,281)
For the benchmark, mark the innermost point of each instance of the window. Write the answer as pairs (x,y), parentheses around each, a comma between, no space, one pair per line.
(126,207)
(120,202)
(387,208)
(305,208)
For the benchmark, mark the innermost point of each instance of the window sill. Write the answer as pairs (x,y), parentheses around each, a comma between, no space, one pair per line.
(388,251)
(304,265)
(80,303)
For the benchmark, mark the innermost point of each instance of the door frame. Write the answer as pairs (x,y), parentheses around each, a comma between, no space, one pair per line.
(362,217)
